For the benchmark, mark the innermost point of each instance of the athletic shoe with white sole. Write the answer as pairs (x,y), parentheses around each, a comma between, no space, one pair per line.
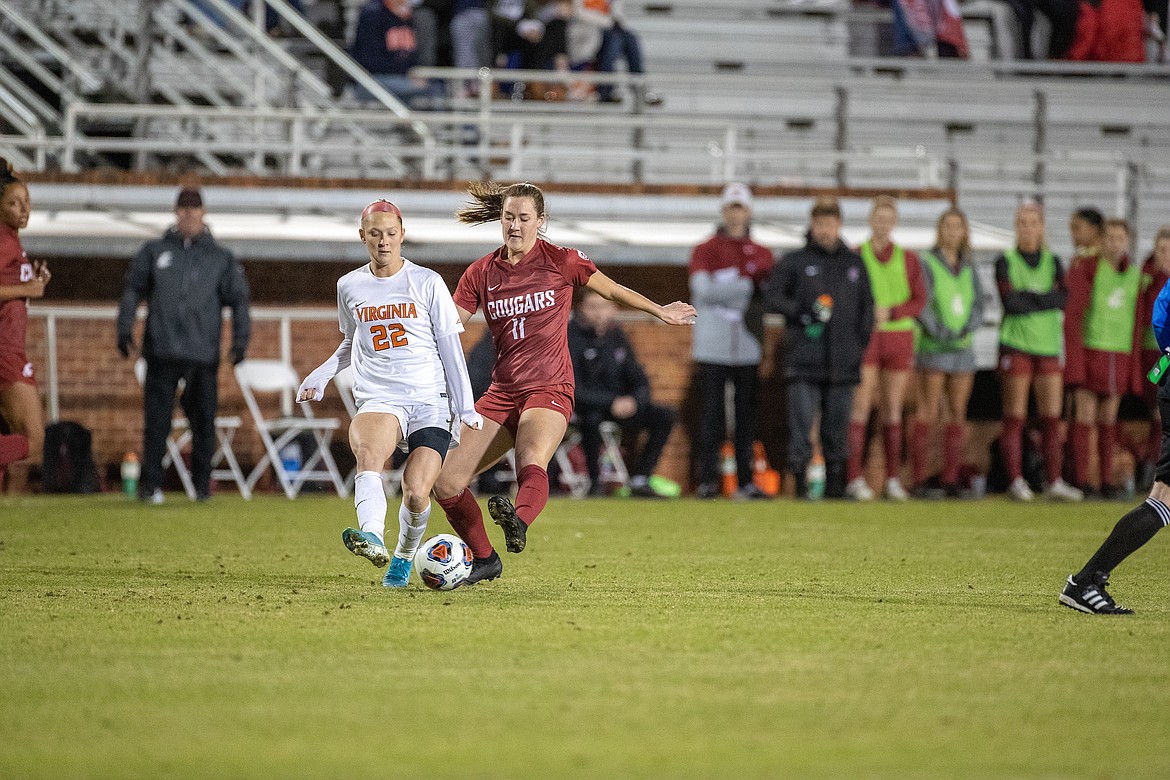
(1062,491)
(366,545)
(398,575)
(894,490)
(859,490)
(1020,491)
(504,515)
(1091,598)
(485,569)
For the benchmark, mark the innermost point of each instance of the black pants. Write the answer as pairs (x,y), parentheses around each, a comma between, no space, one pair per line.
(200,399)
(656,420)
(1062,14)
(834,403)
(713,428)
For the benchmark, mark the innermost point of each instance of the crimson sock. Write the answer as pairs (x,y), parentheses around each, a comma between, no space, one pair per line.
(856,450)
(1080,453)
(465,516)
(1106,438)
(531,492)
(954,440)
(920,444)
(1011,447)
(1053,448)
(13,447)
(892,439)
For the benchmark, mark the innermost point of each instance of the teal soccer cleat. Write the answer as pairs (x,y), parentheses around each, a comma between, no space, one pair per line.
(366,545)
(398,575)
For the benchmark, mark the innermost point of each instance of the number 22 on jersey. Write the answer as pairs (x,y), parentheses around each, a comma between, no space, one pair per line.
(386,337)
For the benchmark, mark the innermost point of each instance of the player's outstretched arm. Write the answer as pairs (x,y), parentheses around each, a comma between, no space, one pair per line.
(313,388)
(458,380)
(677,313)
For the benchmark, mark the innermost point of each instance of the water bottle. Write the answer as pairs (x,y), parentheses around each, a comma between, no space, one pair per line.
(815,478)
(131,471)
(290,457)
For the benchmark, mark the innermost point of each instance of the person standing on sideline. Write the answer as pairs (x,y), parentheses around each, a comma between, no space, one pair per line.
(187,278)
(726,274)
(1155,274)
(895,275)
(611,385)
(1085,590)
(1030,280)
(1086,227)
(525,289)
(946,354)
(20,282)
(824,293)
(400,331)
(1100,328)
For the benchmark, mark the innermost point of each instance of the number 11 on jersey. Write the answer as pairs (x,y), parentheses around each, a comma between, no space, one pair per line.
(518,328)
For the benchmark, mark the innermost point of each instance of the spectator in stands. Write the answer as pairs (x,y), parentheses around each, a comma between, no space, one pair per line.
(1155,274)
(530,35)
(1100,328)
(384,44)
(824,293)
(895,276)
(1087,228)
(187,278)
(946,354)
(471,38)
(20,282)
(726,275)
(611,385)
(432,25)
(1031,285)
(925,27)
(1062,16)
(618,42)
(1109,31)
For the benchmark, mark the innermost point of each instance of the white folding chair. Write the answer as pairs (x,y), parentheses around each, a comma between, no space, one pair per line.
(181,436)
(391,478)
(577,481)
(613,466)
(275,376)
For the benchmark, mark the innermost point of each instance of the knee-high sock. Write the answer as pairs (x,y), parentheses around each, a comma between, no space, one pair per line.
(1053,448)
(892,440)
(856,444)
(1131,532)
(1080,453)
(920,444)
(531,492)
(954,442)
(1011,447)
(369,499)
(13,447)
(1106,438)
(411,527)
(465,516)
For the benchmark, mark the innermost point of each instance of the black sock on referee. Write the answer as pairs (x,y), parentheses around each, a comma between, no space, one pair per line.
(1131,532)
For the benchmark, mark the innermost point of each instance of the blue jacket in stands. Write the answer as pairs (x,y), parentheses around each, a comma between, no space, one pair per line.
(384,42)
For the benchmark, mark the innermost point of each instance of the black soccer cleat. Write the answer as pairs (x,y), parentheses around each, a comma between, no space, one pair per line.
(504,515)
(485,569)
(1091,598)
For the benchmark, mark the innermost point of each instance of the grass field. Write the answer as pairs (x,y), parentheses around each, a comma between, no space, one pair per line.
(679,639)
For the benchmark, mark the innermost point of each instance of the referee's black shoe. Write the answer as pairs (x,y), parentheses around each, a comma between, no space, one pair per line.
(504,515)
(1091,598)
(485,569)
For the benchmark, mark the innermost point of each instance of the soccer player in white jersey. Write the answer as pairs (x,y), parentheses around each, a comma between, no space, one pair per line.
(401,335)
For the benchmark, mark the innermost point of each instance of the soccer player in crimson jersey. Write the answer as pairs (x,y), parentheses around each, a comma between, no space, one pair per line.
(525,290)
(20,281)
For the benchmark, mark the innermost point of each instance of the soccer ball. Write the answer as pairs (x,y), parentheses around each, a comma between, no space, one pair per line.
(443,562)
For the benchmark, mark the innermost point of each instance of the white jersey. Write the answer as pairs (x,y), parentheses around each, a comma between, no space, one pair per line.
(394,324)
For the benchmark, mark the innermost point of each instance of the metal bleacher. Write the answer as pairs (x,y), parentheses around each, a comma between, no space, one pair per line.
(768,91)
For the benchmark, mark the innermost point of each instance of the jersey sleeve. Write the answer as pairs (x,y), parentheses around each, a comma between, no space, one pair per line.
(577,267)
(467,292)
(345,321)
(441,306)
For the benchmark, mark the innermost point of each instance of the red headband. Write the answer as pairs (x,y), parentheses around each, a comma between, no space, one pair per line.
(381,205)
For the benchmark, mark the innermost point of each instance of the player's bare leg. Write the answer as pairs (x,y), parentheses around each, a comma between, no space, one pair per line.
(538,435)
(892,400)
(863,400)
(1011,437)
(373,437)
(418,477)
(23,448)
(1049,399)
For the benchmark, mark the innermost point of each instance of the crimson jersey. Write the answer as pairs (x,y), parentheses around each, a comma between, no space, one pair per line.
(527,308)
(14,269)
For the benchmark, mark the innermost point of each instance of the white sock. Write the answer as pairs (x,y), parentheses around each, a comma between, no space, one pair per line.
(369,499)
(411,527)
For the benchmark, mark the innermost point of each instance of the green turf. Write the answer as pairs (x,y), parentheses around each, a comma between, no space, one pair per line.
(675,639)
